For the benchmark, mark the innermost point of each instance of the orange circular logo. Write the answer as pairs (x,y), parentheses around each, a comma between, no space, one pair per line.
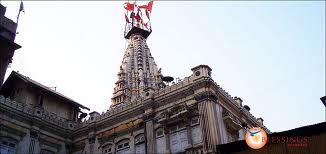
(256,138)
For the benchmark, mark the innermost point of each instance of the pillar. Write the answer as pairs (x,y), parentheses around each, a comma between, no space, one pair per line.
(150,136)
(209,121)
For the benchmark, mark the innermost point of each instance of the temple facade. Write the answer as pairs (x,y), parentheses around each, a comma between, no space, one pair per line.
(148,112)
(148,115)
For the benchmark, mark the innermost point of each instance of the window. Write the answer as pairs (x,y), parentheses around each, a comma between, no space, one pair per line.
(178,141)
(123,147)
(160,141)
(177,127)
(107,149)
(196,135)
(197,73)
(7,146)
(178,138)
(41,97)
(194,121)
(140,144)
(139,139)
(91,140)
(159,133)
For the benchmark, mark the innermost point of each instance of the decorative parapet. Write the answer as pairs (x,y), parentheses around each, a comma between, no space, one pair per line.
(233,101)
(16,105)
(226,95)
(253,118)
(128,105)
(160,92)
(110,112)
(37,112)
(180,84)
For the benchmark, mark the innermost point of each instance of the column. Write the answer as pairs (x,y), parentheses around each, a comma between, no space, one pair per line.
(167,140)
(188,125)
(208,121)
(132,143)
(190,144)
(150,136)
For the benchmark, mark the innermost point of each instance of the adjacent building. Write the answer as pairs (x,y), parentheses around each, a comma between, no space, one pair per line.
(7,44)
(35,118)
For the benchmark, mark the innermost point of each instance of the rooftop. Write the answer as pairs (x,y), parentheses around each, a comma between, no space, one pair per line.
(41,86)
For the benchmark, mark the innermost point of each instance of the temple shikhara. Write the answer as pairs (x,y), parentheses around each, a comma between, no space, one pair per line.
(148,113)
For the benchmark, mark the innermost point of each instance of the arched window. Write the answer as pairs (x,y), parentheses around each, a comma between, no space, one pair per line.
(7,145)
(160,140)
(108,149)
(140,144)
(123,147)
(139,139)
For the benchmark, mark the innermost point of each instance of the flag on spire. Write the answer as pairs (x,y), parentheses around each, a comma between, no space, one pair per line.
(147,14)
(137,17)
(129,6)
(148,7)
(146,25)
(21,7)
(127,19)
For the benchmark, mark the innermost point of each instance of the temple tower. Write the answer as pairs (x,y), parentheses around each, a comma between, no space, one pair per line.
(138,70)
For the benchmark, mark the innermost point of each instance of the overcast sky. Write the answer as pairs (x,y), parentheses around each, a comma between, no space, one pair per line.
(271,54)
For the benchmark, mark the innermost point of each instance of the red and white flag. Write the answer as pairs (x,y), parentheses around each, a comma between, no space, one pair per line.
(129,6)
(127,19)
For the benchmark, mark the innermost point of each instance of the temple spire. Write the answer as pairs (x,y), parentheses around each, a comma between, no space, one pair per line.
(138,70)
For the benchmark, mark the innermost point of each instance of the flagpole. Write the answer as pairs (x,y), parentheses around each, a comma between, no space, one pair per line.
(132,20)
(17,18)
(126,22)
(149,17)
(21,7)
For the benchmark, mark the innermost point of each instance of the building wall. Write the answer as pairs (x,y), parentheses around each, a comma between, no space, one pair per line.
(59,107)
(28,129)
(21,92)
